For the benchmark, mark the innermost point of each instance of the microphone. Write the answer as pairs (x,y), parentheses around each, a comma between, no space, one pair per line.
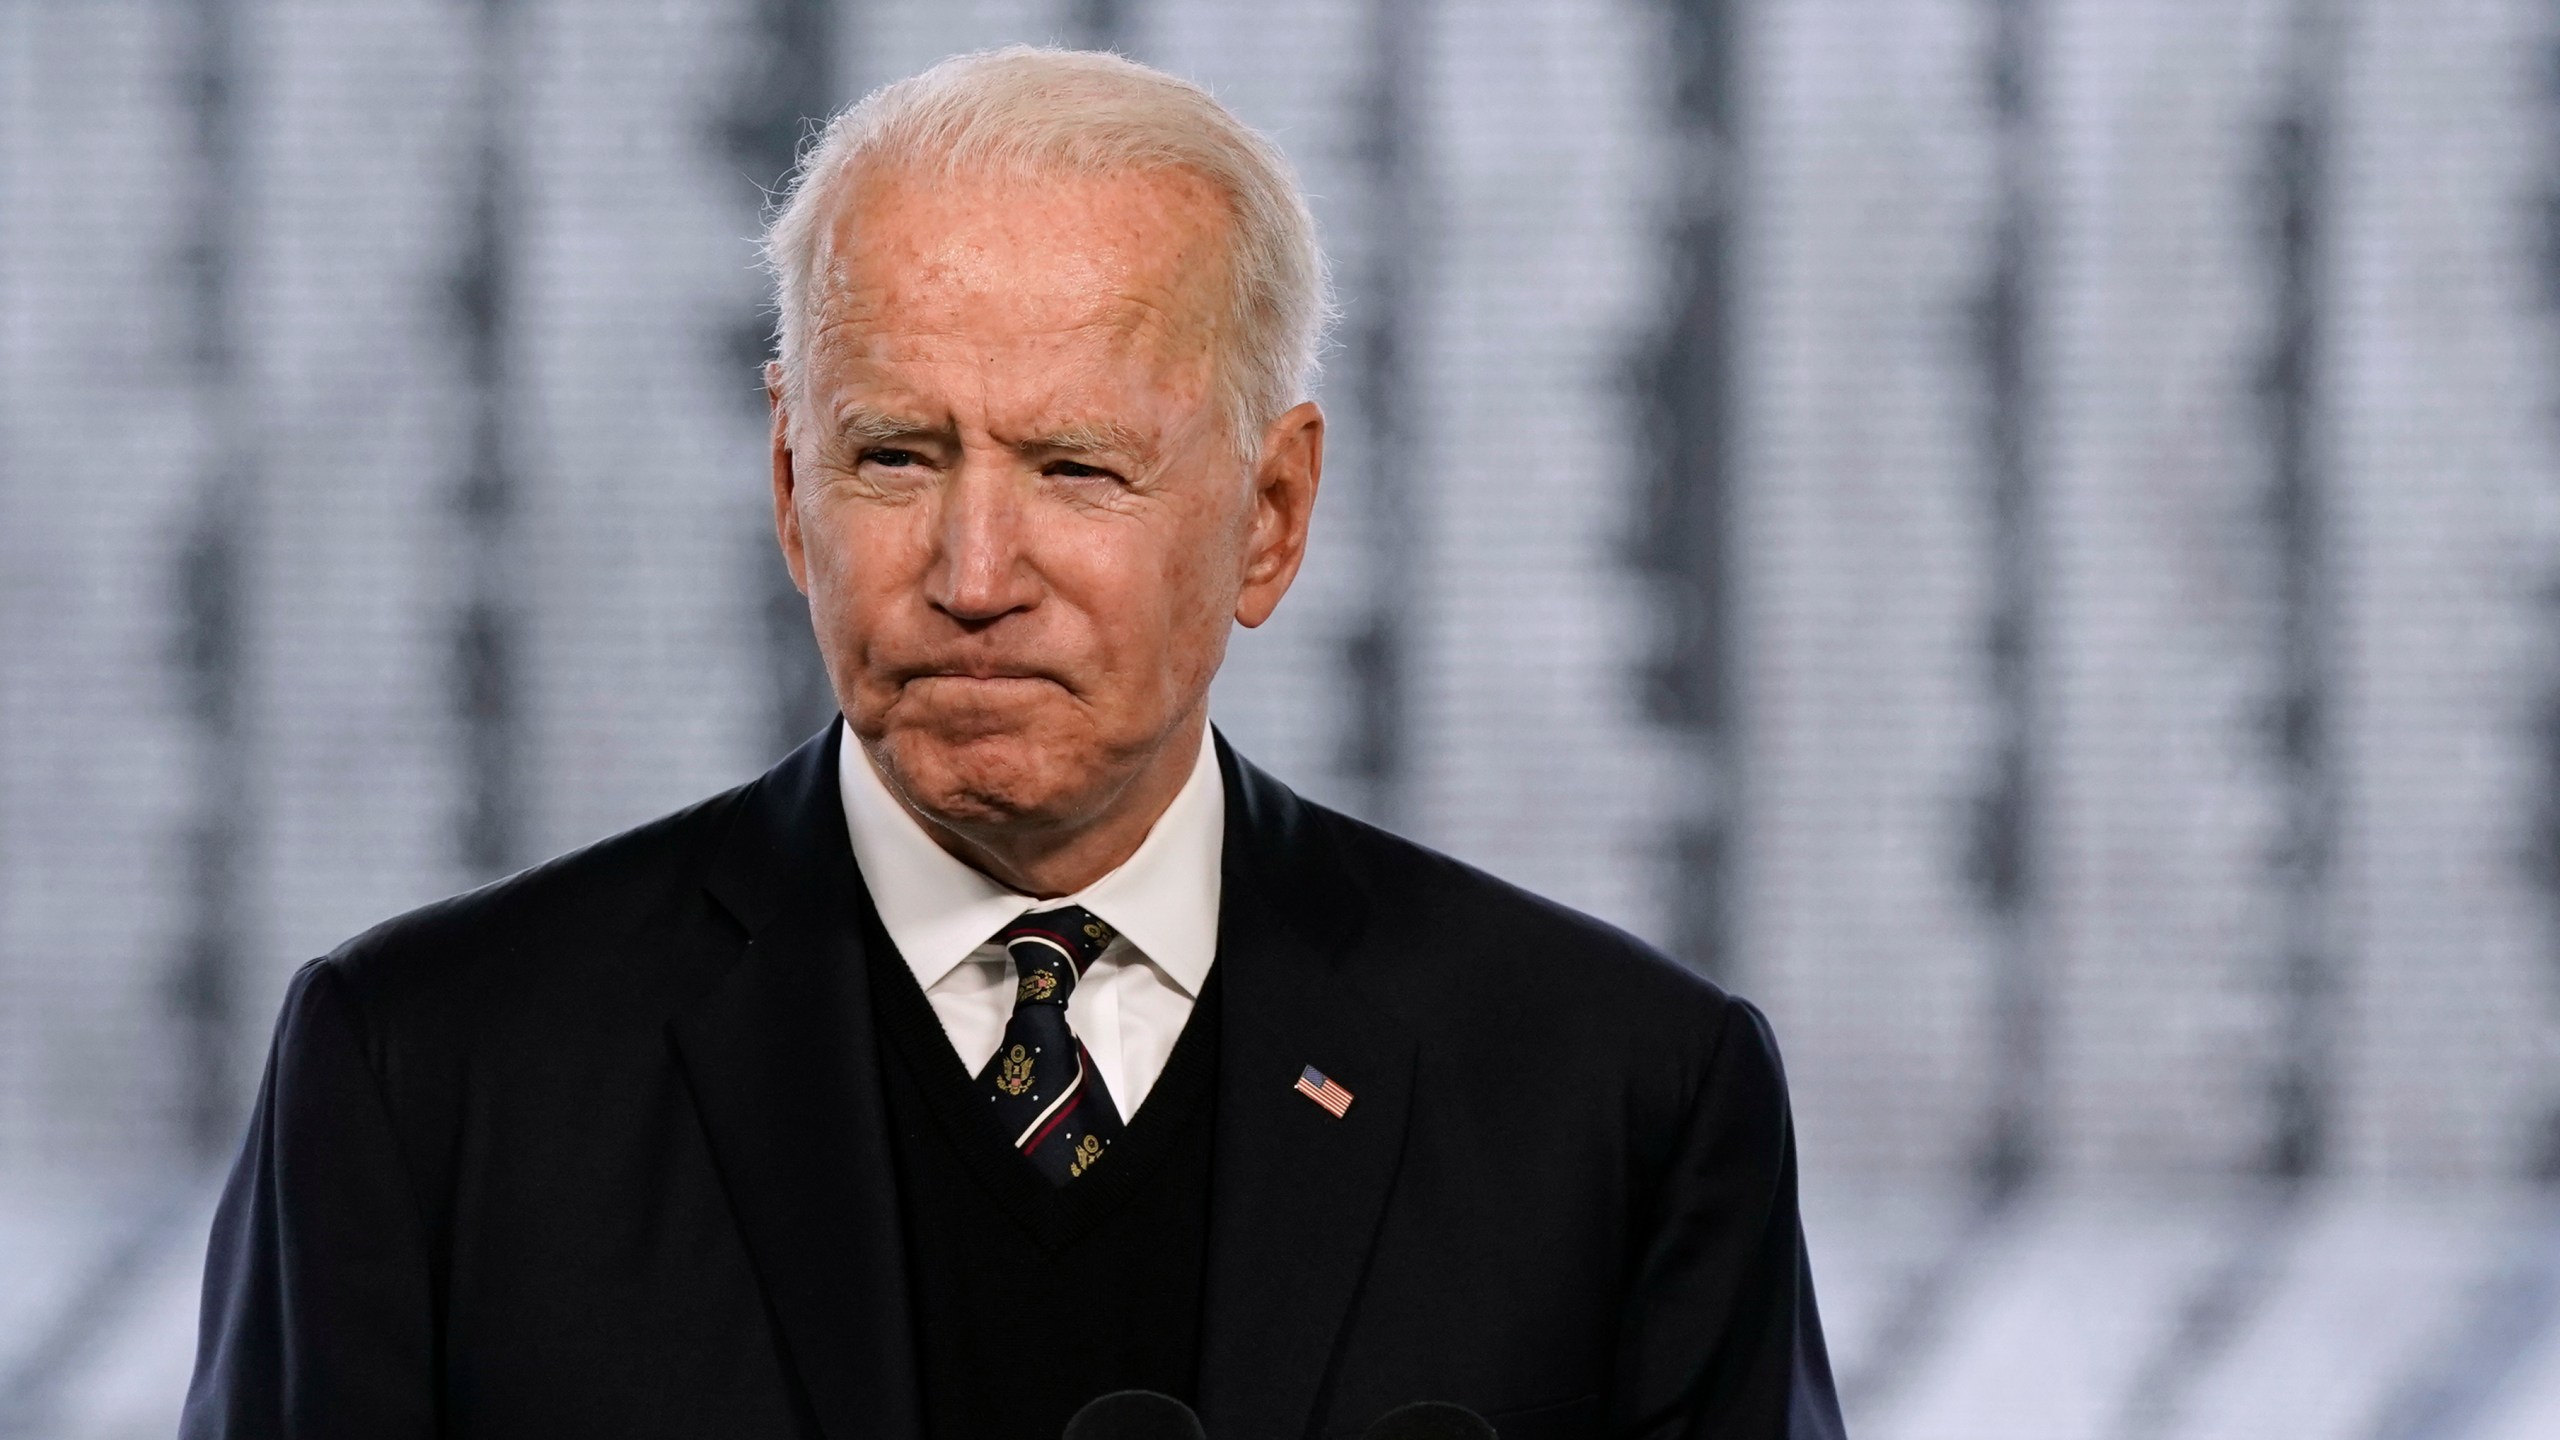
(1136,1415)
(1430,1420)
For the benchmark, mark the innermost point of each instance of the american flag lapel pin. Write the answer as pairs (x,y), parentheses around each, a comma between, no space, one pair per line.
(1317,1086)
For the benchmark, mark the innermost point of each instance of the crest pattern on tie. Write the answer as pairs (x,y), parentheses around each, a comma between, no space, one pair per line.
(1040,1082)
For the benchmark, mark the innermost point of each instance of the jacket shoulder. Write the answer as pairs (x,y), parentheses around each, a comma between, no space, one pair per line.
(1477,968)
(602,912)
(1468,930)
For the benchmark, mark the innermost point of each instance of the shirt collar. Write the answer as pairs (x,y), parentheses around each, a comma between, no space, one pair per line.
(937,910)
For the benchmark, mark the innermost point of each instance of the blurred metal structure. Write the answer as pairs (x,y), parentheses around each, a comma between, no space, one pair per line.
(212,651)
(2300,138)
(1682,538)
(488,647)
(785,87)
(1378,654)
(2004,837)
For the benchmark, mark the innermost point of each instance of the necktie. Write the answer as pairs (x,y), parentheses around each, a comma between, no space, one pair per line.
(1041,1083)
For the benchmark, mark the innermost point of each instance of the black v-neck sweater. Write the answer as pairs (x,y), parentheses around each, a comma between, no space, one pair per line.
(1031,1299)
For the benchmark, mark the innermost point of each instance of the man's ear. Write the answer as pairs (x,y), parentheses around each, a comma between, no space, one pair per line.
(1284,497)
(786,515)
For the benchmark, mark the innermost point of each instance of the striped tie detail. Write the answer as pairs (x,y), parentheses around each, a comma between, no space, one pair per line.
(1040,1082)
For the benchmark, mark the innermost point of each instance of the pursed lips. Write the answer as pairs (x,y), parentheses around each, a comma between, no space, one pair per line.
(984,677)
(989,692)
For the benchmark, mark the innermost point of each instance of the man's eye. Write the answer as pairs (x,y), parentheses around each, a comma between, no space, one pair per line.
(895,459)
(1077,470)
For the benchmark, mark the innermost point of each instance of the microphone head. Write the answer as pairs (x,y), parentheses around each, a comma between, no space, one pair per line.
(1430,1420)
(1135,1415)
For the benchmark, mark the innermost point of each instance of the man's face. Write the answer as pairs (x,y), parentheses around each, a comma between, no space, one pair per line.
(1022,529)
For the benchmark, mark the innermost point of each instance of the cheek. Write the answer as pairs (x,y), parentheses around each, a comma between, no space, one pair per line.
(1194,580)
(859,558)
(1176,590)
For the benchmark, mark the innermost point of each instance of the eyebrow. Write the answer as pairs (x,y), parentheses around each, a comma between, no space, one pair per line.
(861,425)
(1088,437)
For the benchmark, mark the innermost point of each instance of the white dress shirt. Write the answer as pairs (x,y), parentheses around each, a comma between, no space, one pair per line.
(1130,1007)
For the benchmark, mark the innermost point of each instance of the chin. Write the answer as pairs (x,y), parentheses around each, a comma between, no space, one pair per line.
(972,776)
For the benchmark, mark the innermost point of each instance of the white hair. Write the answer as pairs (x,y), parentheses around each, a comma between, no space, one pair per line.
(1039,111)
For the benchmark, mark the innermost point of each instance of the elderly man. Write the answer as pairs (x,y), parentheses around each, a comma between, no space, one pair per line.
(1016,1041)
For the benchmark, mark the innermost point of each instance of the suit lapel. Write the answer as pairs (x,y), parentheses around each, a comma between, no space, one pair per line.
(783,1062)
(784,1067)
(1296,1193)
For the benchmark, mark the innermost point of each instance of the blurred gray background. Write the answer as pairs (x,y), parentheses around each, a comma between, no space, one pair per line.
(2024,535)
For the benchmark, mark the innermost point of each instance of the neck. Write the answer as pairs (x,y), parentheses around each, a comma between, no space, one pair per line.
(1049,861)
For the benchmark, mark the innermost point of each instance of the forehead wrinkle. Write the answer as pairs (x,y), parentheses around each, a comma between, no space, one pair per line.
(956,281)
(920,323)
(892,328)
(876,338)
(1162,229)
(910,374)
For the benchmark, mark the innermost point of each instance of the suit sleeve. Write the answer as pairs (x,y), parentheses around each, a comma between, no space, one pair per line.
(1721,1337)
(318,1316)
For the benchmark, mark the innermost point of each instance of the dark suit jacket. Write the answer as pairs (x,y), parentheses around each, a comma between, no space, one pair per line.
(600,1150)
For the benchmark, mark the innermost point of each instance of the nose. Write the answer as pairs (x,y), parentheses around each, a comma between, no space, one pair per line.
(981,571)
